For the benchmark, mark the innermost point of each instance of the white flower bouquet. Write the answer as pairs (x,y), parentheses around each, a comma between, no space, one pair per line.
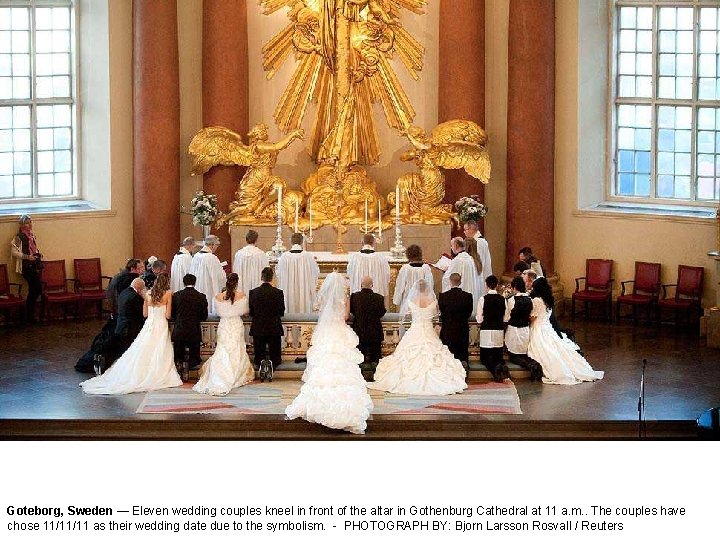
(470,208)
(204,209)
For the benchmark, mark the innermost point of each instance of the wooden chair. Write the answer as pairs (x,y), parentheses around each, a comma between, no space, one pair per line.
(598,287)
(55,290)
(88,282)
(688,295)
(645,291)
(10,302)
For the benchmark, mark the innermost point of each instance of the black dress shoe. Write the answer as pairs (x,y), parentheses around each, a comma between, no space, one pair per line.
(194,365)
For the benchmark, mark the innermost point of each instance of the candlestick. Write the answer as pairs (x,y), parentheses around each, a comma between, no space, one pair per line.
(310,213)
(366,216)
(278,247)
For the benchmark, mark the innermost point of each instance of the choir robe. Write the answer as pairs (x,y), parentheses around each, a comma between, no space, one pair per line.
(248,264)
(297,275)
(180,266)
(367,262)
(484,254)
(210,275)
(407,277)
(464,265)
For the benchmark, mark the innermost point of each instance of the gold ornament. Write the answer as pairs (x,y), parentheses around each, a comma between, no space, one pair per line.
(343,49)
(256,196)
(456,144)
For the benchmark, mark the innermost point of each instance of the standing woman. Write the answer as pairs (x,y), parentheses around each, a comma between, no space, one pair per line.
(28,263)
(471,248)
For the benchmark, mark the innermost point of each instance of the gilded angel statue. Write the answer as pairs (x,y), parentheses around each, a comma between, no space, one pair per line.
(456,144)
(256,196)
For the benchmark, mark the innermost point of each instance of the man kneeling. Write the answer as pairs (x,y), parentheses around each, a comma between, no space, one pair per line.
(517,335)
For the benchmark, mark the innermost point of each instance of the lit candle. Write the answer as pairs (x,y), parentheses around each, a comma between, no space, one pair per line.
(279,203)
(296,215)
(310,212)
(379,220)
(397,202)
(366,216)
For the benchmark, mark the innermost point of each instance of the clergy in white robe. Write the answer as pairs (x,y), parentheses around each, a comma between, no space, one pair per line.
(472,231)
(464,265)
(249,262)
(367,262)
(181,264)
(411,273)
(208,270)
(297,273)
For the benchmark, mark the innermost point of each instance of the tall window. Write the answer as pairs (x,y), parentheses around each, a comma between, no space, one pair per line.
(37,103)
(666,102)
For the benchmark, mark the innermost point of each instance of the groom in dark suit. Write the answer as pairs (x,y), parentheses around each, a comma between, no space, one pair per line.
(267,305)
(189,309)
(456,306)
(367,308)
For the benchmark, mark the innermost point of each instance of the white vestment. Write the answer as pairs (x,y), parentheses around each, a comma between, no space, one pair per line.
(464,265)
(180,266)
(297,275)
(248,264)
(210,275)
(375,265)
(484,254)
(407,277)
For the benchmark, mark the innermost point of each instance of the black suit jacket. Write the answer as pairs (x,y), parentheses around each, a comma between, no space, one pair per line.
(456,306)
(367,308)
(267,305)
(130,313)
(189,309)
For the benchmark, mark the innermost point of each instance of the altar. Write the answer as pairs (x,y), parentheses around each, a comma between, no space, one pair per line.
(433,239)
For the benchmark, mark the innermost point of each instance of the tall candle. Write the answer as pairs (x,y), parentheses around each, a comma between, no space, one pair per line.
(366,216)
(279,203)
(296,215)
(379,220)
(310,212)
(397,202)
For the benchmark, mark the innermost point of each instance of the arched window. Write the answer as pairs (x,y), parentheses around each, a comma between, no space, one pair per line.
(665,102)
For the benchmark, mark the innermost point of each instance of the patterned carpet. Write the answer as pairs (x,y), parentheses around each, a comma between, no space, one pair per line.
(272,398)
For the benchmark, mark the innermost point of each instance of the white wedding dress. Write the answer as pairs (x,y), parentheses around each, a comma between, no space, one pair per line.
(334,392)
(148,364)
(229,366)
(558,356)
(421,364)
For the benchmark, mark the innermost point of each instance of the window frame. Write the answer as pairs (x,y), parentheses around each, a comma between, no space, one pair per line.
(34,102)
(654,102)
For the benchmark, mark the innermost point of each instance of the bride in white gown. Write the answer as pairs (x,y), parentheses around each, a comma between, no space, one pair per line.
(334,392)
(229,366)
(421,364)
(149,362)
(558,355)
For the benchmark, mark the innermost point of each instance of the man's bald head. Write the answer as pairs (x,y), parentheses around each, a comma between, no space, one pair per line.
(138,284)
(366,283)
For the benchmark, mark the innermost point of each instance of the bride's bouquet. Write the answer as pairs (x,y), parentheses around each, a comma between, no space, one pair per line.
(204,209)
(470,208)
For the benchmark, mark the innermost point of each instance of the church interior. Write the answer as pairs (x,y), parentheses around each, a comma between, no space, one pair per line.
(593,120)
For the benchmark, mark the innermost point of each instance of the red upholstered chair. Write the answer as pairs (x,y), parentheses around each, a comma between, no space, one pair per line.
(88,282)
(598,287)
(10,301)
(688,294)
(645,291)
(55,290)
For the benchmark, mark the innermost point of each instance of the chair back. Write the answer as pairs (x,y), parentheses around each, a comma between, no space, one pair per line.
(53,276)
(598,273)
(647,278)
(88,274)
(690,281)
(4,281)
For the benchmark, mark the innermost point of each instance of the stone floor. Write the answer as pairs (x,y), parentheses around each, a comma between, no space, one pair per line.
(37,380)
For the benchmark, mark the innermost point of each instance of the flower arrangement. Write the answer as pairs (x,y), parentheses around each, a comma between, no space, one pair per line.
(470,208)
(204,209)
